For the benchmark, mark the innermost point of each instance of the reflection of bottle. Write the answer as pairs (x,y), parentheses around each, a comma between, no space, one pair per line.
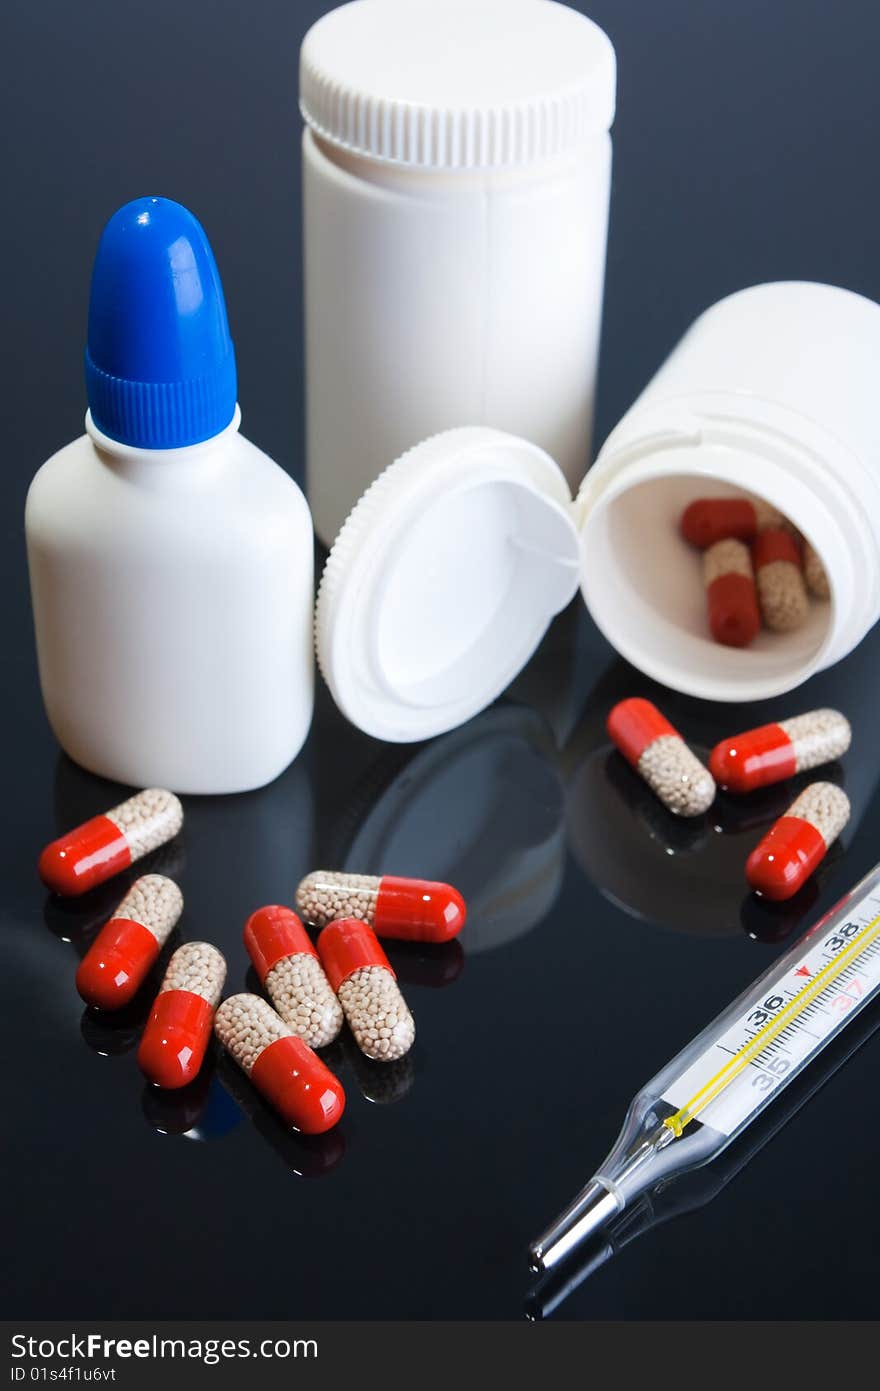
(698,1187)
(702,891)
(307,1156)
(481,808)
(435,965)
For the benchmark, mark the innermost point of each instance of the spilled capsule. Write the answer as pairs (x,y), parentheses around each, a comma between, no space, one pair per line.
(656,750)
(289,967)
(178,1030)
(284,1070)
(125,950)
(796,844)
(104,846)
(361,975)
(773,752)
(414,910)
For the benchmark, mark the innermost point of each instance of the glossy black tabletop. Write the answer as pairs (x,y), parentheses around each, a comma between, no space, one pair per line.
(602,933)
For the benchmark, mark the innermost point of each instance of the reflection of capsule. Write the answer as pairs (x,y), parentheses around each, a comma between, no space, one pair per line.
(100,848)
(361,975)
(308,1156)
(770,923)
(796,844)
(178,1030)
(203,1110)
(415,910)
(773,752)
(112,1033)
(431,966)
(739,815)
(285,1071)
(123,953)
(382,1083)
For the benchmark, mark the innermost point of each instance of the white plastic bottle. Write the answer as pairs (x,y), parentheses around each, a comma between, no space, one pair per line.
(171,560)
(456,173)
(773,391)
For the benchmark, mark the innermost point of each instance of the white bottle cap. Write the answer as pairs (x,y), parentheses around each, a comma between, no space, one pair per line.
(443,581)
(457,84)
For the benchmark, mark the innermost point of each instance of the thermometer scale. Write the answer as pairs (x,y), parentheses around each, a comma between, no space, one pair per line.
(722,1081)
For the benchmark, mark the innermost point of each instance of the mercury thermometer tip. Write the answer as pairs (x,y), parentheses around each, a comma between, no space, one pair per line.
(589,1212)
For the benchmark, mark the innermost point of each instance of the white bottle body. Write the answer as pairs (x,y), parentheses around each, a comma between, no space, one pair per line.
(172,596)
(436,299)
(772,391)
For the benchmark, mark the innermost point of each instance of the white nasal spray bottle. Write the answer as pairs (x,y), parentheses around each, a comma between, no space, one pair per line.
(170,559)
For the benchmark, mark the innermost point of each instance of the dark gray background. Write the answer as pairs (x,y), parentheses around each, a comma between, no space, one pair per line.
(602,936)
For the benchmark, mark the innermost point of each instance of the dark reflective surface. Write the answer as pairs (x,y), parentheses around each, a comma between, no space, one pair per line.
(602,933)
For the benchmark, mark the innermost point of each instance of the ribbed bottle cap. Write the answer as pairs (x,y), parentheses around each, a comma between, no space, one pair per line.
(160,365)
(457,84)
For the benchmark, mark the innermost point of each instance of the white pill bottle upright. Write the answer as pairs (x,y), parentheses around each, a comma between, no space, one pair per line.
(774,391)
(456,175)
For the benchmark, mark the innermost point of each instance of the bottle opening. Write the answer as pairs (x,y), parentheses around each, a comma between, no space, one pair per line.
(644,586)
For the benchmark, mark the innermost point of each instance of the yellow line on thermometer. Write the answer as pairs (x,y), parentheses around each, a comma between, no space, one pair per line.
(868,934)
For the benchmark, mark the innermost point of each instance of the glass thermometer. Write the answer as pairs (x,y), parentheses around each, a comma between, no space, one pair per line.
(721,1081)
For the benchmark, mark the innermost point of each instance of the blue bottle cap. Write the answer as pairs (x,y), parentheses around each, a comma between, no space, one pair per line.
(160,365)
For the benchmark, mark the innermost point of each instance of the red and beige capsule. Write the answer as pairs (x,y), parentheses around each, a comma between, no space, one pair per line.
(178,1030)
(796,844)
(731,596)
(284,1070)
(782,593)
(289,967)
(107,844)
(413,910)
(710,519)
(773,752)
(656,750)
(361,975)
(125,950)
